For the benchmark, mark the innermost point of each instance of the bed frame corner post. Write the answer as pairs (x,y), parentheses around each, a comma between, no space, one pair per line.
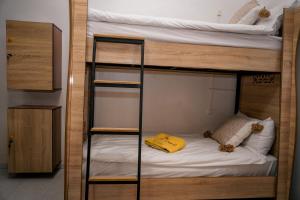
(75,100)
(288,102)
(293,114)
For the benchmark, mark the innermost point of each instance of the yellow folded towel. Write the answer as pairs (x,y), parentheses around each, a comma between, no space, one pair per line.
(165,142)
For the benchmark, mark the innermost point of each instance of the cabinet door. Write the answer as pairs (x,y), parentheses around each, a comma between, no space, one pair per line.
(30,145)
(29,55)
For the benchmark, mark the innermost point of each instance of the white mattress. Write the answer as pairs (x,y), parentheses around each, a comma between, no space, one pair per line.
(182,31)
(117,156)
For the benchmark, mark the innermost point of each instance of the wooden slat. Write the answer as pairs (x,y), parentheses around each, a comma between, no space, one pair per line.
(119,36)
(112,178)
(190,189)
(121,130)
(116,82)
(158,53)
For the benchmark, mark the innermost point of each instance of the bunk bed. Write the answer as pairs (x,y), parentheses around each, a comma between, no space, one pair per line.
(273,95)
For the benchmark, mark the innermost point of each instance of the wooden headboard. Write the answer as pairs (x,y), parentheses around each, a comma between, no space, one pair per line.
(260,98)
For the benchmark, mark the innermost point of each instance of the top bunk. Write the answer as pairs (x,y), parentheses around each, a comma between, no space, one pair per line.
(189,44)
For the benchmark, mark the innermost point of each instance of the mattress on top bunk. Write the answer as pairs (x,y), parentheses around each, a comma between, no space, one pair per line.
(117,156)
(182,31)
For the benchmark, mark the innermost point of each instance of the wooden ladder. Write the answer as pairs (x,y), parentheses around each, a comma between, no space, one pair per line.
(114,131)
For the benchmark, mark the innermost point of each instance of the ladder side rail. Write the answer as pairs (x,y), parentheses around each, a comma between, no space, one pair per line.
(91,117)
(140,122)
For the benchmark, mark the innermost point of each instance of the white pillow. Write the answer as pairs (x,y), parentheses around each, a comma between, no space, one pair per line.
(252,16)
(261,142)
(234,131)
(239,14)
(275,19)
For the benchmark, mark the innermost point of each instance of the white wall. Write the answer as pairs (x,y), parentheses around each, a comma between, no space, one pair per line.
(54,11)
(176,103)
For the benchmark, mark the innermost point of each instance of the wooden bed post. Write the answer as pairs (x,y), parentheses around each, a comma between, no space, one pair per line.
(288,102)
(293,114)
(75,100)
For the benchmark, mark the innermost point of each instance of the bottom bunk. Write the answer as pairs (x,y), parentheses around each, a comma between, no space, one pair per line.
(117,156)
(200,170)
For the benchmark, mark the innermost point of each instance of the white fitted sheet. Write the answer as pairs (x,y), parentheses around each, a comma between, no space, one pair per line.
(115,155)
(182,31)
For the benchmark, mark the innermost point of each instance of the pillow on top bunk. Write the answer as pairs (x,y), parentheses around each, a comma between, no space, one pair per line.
(276,15)
(261,142)
(234,131)
(243,11)
(252,16)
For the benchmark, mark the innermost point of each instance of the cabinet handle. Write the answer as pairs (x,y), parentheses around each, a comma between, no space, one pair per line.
(10,142)
(9,55)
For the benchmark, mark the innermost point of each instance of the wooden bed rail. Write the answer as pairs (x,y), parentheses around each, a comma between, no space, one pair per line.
(191,56)
(191,189)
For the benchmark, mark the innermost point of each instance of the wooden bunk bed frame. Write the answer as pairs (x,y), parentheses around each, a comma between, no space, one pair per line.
(267,88)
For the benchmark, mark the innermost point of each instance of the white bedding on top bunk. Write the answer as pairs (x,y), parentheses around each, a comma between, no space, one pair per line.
(182,31)
(116,155)
(105,16)
(186,35)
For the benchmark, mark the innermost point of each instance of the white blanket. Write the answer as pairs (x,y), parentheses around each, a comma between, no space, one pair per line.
(104,16)
(200,157)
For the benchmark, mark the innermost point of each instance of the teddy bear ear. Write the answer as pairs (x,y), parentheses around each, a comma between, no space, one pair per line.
(264,13)
(226,148)
(257,128)
(207,134)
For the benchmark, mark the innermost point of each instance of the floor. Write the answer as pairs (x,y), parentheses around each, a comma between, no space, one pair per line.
(28,188)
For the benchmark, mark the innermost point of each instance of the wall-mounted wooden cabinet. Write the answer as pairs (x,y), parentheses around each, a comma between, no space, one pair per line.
(33,56)
(34,134)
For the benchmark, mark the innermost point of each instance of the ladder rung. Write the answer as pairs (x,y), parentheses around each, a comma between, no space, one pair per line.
(119,36)
(126,84)
(121,131)
(113,180)
(119,39)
